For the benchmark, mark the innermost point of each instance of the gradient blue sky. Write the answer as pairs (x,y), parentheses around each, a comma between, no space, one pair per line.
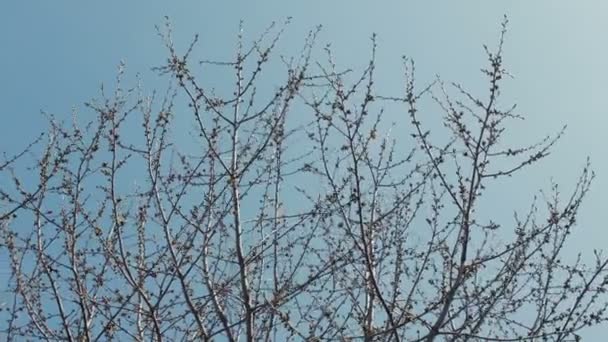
(55,54)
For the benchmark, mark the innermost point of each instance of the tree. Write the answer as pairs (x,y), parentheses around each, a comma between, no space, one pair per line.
(243,231)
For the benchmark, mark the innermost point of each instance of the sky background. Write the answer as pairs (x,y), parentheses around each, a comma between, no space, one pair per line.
(55,54)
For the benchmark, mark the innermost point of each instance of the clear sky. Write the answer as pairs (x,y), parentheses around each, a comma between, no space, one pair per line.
(55,54)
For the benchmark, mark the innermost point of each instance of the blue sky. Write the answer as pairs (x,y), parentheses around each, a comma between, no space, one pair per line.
(55,54)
